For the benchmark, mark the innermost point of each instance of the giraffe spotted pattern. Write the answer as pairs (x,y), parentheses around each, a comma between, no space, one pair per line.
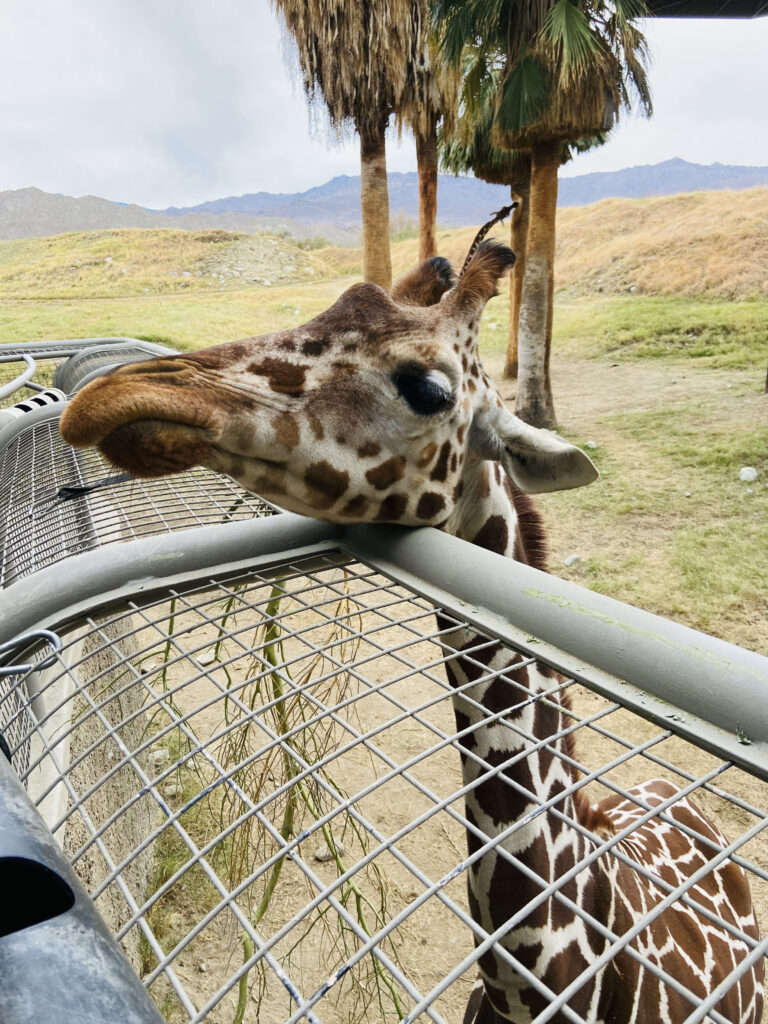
(379,410)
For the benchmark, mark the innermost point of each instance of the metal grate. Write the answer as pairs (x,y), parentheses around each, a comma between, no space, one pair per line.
(94,360)
(263,792)
(39,527)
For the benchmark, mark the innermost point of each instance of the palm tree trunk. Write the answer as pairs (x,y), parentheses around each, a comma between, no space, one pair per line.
(521,193)
(426,159)
(534,402)
(374,203)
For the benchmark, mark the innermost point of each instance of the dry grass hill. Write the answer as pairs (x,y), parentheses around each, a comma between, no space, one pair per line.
(711,244)
(704,244)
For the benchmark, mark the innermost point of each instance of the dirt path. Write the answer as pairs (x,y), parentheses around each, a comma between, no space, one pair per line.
(586,390)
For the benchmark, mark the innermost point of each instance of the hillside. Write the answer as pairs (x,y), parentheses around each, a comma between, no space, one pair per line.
(712,244)
(332,211)
(32,213)
(706,244)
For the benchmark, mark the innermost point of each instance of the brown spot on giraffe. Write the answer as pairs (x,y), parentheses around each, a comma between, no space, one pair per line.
(286,429)
(392,508)
(387,473)
(430,505)
(282,377)
(493,534)
(355,508)
(440,468)
(426,455)
(325,484)
(369,450)
(316,426)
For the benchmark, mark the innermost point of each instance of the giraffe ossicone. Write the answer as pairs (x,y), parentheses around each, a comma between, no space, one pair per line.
(379,410)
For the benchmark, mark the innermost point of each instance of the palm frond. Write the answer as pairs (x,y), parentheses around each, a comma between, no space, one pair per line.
(567,29)
(524,96)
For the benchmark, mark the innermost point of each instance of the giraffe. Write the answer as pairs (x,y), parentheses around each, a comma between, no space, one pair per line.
(379,410)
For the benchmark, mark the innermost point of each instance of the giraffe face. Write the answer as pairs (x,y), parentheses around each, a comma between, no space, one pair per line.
(370,412)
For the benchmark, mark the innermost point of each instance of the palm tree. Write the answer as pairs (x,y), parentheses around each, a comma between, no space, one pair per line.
(356,59)
(365,62)
(566,67)
(430,92)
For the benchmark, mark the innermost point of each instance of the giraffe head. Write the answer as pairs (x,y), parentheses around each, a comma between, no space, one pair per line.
(375,410)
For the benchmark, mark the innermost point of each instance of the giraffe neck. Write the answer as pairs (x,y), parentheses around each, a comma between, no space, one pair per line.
(502,726)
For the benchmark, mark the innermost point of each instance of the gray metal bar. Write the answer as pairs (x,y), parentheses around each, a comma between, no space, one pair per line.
(133,569)
(58,960)
(670,662)
(21,380)
(595,639)
(57,348)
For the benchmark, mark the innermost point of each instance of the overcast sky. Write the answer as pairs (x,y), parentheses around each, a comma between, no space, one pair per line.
(173,103)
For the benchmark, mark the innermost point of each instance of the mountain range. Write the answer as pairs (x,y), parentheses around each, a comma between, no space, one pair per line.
(332,210)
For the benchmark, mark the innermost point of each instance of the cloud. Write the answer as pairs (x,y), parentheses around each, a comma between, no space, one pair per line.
(174,104)
(708,80)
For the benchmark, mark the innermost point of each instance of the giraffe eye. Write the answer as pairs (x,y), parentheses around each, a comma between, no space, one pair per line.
(427,393)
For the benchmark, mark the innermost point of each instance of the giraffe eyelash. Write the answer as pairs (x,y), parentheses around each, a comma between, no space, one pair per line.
(426,394)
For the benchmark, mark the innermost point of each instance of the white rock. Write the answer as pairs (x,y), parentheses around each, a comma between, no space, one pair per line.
(323,853)
(572,560)
(747,474)
(173,789)
(158,758)
(206,658)
(591,445)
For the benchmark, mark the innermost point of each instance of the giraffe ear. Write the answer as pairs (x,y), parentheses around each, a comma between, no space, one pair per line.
(479,281)
(535,460)
(425,285)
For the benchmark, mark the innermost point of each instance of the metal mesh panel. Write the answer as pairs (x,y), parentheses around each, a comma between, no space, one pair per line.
(83,366)
(39,528)
(265,798)
(10,370)
(16,724)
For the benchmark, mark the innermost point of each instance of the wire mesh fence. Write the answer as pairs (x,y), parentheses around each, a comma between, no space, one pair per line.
(275,826)
(58,502)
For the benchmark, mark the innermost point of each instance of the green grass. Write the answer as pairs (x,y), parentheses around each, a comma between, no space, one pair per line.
(669,526)
(714,333)
(185,322)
